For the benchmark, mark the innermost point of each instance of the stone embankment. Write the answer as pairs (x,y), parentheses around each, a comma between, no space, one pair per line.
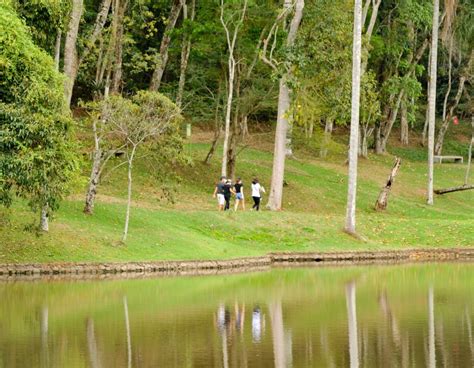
(114,269)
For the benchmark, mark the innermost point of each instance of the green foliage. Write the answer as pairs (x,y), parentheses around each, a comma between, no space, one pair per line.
(37,160)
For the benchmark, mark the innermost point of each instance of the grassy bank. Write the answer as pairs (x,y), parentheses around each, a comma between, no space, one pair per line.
(191,228)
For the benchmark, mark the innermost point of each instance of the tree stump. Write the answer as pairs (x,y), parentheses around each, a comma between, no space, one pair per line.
(382,201)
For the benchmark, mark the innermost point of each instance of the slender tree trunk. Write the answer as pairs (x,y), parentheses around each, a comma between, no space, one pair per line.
(445,125)
(185,50)
(378,140)
(217,130)
(57,49)
(121,6)
(276,188)
(129,193)
(230,95)
(165,42)
(432,101)
(95,173)
(328,127)
(234,135)
(44,218)
(382,201)
(350,226)
(450,70)
(425,126)
(404,128)
(231,42)
(70,53)
(370,29)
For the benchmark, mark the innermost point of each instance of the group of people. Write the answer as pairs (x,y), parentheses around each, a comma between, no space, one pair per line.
(225,189)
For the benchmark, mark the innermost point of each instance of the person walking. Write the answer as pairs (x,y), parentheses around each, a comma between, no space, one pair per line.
(219,193)
(239,194)
(228,191)
(257,191)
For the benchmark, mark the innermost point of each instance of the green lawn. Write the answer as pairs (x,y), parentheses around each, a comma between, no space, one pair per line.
(191,228)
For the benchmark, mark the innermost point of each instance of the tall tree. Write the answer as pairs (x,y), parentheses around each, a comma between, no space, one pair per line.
(70,52)
(231,37)
(162,58)
(350,226)
(185,50)
(276,187)
(432,100)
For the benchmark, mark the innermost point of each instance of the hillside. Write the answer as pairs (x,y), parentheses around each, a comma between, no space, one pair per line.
(191,228)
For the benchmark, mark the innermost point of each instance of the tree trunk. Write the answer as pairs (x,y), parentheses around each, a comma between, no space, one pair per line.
(217,130)
(350,225)
(378,140)
(129,194)
(454,189)
(370,29)
(230,95)
(450,69)
(57,49)
(165,42)
(121,6)
(432,100)
(444,127)
(366,132)
(425,126)
(404,128)
(71,61)
(185,50)
(44,219)
(70,53)
(328,127)
(382,201)
(95,175)
(234,135)
(276,188)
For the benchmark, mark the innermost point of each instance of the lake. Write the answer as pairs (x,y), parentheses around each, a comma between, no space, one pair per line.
(412,315)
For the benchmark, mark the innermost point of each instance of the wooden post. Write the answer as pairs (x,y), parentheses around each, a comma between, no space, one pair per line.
(382,201)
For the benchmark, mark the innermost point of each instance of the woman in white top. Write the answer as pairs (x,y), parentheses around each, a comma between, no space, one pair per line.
(257,191)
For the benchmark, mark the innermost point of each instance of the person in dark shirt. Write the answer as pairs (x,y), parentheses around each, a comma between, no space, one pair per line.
(219,193)
(239,194)
(228,191)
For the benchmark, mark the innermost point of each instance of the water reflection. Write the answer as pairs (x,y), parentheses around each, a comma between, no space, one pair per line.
(399,316)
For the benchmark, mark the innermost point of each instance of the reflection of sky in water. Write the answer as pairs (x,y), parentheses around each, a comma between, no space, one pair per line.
(412,315)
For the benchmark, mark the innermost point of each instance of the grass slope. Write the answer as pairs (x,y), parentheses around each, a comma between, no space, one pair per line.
(313,216)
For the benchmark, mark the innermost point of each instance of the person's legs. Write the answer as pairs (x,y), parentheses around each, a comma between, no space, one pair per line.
(255,199)
(236,206)
(227,203)
(221,201)
(257,203)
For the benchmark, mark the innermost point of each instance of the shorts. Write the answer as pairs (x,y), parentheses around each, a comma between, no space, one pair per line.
(220,199)
(239,196)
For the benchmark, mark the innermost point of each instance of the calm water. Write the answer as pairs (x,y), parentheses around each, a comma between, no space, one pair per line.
(374,316)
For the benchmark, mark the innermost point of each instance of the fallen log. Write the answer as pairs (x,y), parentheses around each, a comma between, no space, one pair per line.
(453,189)
(382,200)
